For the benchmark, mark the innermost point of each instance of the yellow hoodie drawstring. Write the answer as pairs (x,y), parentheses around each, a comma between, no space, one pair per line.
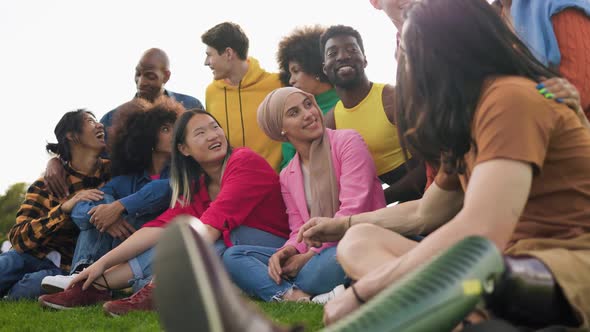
(241,114)
(226,115)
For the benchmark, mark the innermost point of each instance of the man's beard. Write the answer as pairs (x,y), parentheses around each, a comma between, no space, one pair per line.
(346,84)
(349,83)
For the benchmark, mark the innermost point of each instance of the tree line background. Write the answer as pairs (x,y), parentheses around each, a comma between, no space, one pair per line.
(9,204)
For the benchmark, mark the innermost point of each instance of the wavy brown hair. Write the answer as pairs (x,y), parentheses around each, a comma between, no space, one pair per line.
(227,34)
(450,49)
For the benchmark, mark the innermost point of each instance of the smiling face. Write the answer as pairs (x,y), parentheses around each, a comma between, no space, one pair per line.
(301,119)
(344,62)
(91,135)
(204,141)
(150,77)
(218,63)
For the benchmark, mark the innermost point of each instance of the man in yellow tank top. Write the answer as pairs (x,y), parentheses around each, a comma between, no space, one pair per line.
(368,108)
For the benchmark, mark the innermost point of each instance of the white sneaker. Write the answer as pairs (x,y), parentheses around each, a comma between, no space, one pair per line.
(56,284)
(6,245)
(324,298)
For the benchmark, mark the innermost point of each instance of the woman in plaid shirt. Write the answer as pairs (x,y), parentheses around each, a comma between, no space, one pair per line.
(44,236)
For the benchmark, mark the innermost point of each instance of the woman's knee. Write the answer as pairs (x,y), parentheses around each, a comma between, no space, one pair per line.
(232,260)
(355,241)
(322,277)
(83,224)
(231,254)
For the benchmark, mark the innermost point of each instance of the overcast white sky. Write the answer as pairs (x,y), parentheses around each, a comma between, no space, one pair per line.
(60,55)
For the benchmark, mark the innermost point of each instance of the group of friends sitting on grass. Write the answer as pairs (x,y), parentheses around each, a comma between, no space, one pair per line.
(276,186)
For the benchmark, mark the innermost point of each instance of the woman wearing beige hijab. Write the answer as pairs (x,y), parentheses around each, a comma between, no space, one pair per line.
(332,174)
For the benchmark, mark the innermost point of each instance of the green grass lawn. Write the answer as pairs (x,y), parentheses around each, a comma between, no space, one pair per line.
(29,316)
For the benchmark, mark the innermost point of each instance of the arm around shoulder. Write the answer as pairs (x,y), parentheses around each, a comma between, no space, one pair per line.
(55,178)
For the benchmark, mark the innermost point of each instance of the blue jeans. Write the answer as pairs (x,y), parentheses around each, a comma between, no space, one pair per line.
(141,266)
(245,235)
(21,274)
(248,268)
(92,244)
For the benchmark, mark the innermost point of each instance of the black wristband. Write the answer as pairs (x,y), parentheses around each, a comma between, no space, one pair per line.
(358,298)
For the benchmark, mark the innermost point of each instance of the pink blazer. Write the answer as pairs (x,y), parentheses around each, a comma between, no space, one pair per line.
(360,189)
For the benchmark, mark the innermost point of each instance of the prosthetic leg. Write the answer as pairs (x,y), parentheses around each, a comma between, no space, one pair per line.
(528,295)
(437,296)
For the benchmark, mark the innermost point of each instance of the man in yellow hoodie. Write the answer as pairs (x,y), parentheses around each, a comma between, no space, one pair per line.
(239,86)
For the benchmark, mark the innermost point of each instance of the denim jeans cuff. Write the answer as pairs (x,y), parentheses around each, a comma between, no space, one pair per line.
(278,297)
(136,268)
(80,262)
(138,283)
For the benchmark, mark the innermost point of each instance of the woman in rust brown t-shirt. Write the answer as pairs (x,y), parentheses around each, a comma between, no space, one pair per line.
(515,165)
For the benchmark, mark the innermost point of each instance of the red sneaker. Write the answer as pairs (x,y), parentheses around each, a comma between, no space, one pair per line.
(140,301)
(75,297)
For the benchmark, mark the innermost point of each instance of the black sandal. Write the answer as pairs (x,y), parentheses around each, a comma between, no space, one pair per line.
(106,283)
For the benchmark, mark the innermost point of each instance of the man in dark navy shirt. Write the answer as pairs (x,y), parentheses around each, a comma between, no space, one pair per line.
(151,74)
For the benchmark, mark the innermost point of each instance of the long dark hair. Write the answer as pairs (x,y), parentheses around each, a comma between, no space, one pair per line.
(451,48)
(135,133)
(71,122)
(185,171)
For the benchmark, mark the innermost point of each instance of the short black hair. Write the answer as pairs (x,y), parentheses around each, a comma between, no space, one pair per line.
(227,34)
(340,30)
(302,46)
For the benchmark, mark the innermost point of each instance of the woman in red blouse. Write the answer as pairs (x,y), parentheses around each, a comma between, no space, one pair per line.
(234,192)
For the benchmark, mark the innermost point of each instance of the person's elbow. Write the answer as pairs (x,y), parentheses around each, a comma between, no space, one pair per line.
(497,227)
(16,237)
(501,232)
